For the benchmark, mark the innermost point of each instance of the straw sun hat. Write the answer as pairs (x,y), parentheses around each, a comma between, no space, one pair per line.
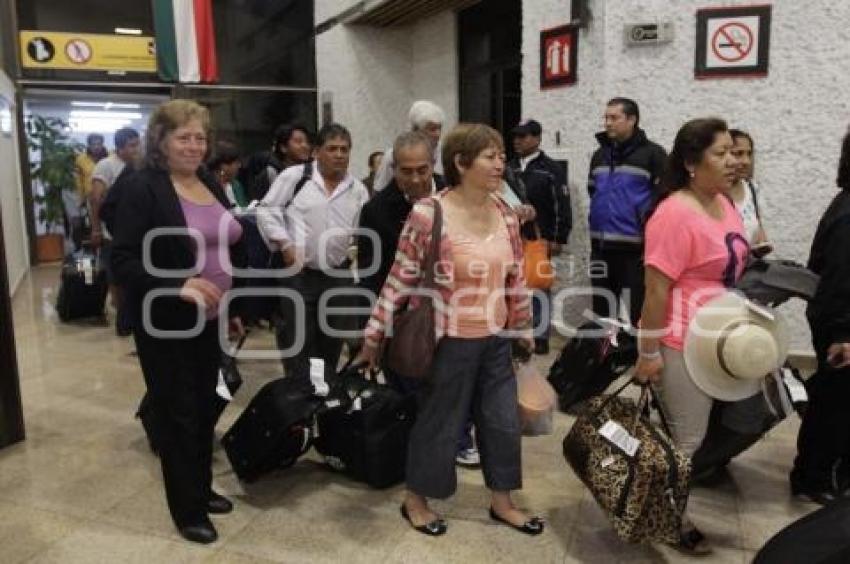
(732,344)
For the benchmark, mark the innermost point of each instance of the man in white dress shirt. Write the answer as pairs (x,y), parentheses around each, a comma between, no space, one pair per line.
(308,217)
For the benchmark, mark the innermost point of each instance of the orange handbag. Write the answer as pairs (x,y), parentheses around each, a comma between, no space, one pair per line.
(539,272)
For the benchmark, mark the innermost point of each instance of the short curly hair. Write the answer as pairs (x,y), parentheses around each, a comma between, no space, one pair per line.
(467,140)
(166,118)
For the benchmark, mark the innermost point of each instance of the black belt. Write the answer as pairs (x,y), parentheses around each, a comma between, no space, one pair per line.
(344,265)
(608,245)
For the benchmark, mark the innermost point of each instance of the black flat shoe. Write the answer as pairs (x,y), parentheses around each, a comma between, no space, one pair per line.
(435,528)
(533,526)
(219,505)
(203,533)
(693,543)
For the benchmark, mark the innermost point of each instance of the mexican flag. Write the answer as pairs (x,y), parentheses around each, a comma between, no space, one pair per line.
(185,40)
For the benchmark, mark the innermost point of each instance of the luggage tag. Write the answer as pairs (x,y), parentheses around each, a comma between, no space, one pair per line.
(88,271)
(317,377)
(796,389)
(619,437)
(221,388)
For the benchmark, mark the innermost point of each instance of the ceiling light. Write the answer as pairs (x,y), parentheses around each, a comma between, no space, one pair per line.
(105,105)
(96,125)
(128,31)
(97,114)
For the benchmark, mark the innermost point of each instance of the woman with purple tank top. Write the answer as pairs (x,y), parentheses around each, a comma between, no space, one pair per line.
(173,247)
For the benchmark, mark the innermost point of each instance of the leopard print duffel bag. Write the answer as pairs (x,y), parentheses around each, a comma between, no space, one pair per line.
(633,469)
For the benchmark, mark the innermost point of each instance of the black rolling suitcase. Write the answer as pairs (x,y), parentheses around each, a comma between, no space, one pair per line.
(367,440)
(274,430)
(821,537)
(82,286)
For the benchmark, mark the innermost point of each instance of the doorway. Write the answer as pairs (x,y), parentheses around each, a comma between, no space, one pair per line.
(490,64)
(85,113)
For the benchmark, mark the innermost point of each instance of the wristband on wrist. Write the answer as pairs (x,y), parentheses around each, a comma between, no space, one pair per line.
(650,355)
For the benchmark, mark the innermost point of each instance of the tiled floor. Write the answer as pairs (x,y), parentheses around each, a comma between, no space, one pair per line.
(83,487)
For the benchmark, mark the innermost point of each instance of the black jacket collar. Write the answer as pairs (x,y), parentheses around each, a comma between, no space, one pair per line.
(638,138)
(620,151)
(168,201)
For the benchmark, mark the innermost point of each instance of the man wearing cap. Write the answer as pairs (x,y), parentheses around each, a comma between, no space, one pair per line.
(622,183)
(545,184)
(424,116)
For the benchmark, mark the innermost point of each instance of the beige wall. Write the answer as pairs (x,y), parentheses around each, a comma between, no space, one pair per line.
(375,74)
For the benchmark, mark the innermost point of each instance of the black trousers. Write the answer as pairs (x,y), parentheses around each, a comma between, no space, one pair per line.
(311,285)
(181,376)
(823,443)
(622,277)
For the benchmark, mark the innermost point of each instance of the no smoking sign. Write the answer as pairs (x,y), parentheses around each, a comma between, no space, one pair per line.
(78,51)
(732,41)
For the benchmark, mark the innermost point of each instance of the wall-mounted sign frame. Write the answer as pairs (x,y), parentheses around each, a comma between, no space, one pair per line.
(558,56)
(733,41)
(87,51)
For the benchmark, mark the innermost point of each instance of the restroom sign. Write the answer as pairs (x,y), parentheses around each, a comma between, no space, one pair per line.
(558,56)
(732,41)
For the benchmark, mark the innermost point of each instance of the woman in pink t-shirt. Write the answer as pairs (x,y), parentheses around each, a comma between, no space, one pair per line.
(694,250)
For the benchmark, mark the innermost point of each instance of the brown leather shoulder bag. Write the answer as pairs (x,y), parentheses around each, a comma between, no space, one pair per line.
(411,349)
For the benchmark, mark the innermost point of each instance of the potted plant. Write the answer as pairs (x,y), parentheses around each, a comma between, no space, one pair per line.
(52,173)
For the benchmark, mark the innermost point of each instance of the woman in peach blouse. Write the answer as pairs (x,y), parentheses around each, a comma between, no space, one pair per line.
(482,294)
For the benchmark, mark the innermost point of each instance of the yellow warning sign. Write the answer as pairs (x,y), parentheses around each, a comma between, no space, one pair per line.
(87,51)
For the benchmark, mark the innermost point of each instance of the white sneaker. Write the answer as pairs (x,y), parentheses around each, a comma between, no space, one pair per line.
(468,458)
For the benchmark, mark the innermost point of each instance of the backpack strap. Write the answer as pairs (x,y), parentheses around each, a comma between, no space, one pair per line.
(752,188)
(307,175)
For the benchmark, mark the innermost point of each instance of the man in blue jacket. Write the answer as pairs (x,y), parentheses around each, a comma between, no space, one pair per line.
(623,180)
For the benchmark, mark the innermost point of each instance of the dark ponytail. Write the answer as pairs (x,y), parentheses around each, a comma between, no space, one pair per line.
(691,142)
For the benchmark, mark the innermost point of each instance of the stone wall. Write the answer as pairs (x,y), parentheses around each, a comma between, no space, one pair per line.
(797,114)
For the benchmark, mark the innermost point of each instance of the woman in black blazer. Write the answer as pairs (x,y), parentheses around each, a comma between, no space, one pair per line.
(170,209)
